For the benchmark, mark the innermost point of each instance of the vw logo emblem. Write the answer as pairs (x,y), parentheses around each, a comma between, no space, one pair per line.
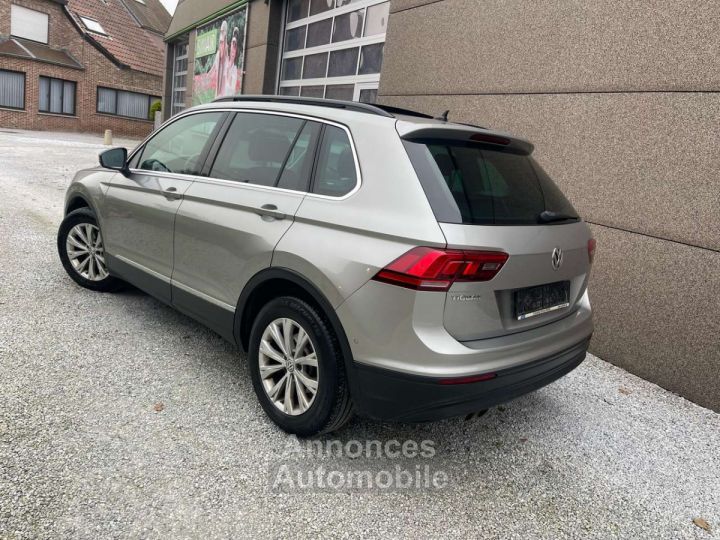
(557,258)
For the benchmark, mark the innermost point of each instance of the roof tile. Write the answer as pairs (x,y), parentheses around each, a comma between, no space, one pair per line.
(129,43)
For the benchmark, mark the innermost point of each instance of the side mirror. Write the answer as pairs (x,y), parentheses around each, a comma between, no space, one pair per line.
(115,159)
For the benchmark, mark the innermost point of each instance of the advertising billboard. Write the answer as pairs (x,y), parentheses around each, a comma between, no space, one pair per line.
(219,57)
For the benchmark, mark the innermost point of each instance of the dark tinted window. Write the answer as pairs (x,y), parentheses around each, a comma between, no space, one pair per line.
(256,147)
(336,174)
(297,9)
(298,166)
(474,184)
(179,147)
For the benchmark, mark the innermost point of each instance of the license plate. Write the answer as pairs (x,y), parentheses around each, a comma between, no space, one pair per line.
(535,301)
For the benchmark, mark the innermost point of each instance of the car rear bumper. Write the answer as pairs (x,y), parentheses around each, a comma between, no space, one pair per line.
(399,330)
(390,395)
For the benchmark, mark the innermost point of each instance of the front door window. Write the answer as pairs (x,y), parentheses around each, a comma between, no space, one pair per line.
(180,146)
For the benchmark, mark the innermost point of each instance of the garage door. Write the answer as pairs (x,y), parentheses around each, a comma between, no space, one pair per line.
(334,48)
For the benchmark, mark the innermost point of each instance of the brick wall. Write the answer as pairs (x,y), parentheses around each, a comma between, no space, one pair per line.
(99,71)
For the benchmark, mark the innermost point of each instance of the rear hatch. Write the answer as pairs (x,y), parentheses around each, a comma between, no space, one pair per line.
(489,194)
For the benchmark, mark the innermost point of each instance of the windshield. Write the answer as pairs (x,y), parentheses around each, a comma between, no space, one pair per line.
(480,185)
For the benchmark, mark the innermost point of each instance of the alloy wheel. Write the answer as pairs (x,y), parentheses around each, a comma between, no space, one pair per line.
(288,366)
(86,252)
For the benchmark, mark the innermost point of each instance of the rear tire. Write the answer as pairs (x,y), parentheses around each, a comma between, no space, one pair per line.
(82,252)
(279,350)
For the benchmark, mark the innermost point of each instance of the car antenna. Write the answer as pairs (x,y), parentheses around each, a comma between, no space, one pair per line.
(443,116)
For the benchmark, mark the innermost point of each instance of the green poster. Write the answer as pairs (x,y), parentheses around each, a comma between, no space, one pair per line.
(206,43)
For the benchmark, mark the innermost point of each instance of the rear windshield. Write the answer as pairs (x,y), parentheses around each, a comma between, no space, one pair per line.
(471,183)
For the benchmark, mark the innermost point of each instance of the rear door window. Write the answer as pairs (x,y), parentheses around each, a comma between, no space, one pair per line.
(478,184)
(298,166)
(267,150)
(336,174)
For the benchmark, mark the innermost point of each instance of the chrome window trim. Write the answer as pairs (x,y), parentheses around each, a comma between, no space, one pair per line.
(180,116)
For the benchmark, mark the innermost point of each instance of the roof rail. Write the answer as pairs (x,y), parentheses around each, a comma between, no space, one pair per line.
(406,112)
(316,102)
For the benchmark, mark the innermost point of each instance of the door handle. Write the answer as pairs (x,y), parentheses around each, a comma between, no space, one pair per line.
(270,211)
(171,193)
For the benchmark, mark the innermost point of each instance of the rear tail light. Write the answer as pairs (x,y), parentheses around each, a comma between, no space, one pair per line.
(430,269)
(592,244)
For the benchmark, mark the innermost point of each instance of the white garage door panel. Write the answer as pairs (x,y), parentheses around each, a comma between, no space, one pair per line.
(333,48)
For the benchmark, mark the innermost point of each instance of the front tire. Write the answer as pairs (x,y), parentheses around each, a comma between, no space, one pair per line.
(82,252)
(297,368)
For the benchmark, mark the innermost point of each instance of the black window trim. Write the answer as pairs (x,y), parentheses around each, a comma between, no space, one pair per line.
(24,74)
(316,159)
(62,96)
(316,162)
(214,149)
(150,98)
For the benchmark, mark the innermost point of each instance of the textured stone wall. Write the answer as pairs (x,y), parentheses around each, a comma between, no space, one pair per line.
(621,99)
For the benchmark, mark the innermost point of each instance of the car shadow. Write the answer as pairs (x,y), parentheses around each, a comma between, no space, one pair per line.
(507,428)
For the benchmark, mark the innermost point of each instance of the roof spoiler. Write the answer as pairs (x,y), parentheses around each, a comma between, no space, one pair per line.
(464,133)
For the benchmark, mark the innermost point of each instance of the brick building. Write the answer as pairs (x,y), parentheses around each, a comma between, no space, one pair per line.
(81,65)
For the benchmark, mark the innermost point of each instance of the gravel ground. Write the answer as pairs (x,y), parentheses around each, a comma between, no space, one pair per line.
(122,418)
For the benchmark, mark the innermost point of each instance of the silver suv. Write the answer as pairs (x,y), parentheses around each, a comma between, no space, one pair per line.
(368,259)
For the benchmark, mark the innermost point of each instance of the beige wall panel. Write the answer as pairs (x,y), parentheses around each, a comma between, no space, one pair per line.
(657,312)
(258,78)
(401,5)
(493,46)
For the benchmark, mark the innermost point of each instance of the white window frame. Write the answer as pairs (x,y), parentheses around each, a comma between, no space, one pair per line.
(360,81)
(359,87)
(175,106)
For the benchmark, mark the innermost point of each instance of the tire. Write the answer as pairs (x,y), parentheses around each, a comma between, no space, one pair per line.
(330,407)
(88,271)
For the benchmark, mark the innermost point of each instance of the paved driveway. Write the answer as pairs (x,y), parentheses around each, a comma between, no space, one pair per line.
(122,418)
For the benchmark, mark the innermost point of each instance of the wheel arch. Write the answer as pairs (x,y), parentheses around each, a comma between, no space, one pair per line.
(274,282)
(75,202)
(80,196)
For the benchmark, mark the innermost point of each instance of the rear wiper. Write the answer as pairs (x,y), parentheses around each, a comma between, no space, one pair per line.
(549,216)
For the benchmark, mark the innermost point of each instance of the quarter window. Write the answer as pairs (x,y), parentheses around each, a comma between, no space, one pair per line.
(180,146)
(258,147)
(57,96)
(336,172)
